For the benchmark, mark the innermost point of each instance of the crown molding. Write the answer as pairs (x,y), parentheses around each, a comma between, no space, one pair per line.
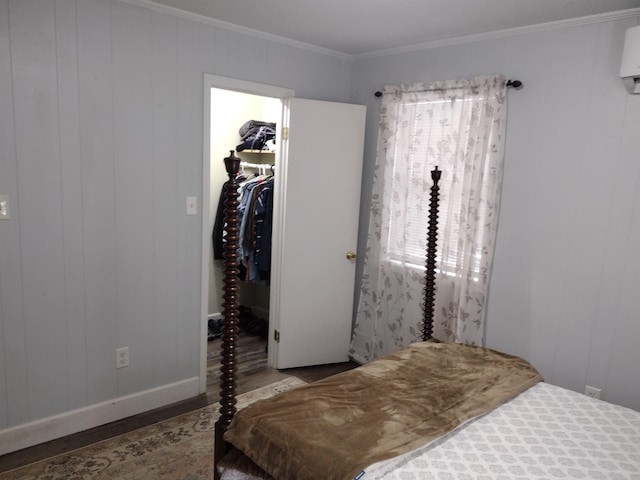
(541,27)
(446,42)
(195,17)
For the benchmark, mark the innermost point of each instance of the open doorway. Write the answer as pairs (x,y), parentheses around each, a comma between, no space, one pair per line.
(230,111)
(228,105)
(245,123)
(315,222)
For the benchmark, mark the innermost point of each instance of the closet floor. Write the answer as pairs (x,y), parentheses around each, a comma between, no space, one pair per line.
(252,373)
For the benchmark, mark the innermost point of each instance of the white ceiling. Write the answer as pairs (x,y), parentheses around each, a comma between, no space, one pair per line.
(357,27)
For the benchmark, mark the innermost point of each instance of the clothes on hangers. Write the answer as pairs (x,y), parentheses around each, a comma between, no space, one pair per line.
(256,213)
(219,222)
(264,225)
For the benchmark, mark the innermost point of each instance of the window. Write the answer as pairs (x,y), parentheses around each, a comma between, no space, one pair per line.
(434,126)
(460,126)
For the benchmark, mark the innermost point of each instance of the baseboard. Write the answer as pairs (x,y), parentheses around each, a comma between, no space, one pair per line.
(57,426)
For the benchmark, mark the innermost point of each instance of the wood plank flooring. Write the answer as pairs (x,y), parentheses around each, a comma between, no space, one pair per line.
(252,373)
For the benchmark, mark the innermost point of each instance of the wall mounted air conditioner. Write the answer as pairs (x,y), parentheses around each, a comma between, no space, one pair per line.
(630,69)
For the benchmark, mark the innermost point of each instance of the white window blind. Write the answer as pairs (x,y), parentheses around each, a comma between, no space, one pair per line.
(435,126)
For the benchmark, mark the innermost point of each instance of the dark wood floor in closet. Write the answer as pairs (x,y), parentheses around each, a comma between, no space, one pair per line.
(253,373)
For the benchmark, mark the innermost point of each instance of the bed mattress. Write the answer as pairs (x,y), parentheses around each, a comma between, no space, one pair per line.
(545,433)
(336,427)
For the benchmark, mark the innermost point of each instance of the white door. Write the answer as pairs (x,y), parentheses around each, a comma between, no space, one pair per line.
(316,207)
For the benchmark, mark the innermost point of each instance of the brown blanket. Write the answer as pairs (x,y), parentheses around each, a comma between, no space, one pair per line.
(335,428)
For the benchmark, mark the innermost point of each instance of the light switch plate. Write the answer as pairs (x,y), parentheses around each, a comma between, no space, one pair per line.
(4,207)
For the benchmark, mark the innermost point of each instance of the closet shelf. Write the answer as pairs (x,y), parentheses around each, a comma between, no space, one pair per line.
(258,151)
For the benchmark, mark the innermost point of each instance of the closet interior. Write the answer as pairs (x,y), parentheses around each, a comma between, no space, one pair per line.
(246,124)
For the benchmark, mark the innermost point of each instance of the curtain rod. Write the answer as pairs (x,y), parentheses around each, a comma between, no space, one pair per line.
(516,84)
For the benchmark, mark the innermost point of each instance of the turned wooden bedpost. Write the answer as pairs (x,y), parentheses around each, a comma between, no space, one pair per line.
(230,310)
(430,274)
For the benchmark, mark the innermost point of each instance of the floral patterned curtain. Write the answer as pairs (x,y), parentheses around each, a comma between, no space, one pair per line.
(460,127)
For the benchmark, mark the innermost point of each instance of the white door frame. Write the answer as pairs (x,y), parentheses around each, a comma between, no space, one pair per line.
(225,83)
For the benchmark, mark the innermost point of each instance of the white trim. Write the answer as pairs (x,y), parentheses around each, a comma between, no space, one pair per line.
(508,32)
(244,86)
(206,238)
(541,27)
(225,83)
(176,12)
(57,426)
(277,236)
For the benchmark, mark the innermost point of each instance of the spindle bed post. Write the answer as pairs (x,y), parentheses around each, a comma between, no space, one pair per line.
(230,311)
(231,297)
(430,273)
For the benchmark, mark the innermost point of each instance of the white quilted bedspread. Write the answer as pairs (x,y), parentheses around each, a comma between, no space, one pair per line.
(545,433)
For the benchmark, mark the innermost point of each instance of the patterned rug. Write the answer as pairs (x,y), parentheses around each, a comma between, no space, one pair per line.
(180,448)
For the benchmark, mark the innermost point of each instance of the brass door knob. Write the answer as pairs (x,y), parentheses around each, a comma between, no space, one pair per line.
(350,255)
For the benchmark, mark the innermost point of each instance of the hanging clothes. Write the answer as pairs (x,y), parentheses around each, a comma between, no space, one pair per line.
(256,214)
(218,228)
(217,236)
(264,220)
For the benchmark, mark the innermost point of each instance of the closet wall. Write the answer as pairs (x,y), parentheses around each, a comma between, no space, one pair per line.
(229,111)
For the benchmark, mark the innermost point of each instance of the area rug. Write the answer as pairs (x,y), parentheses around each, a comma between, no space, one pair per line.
(180,448)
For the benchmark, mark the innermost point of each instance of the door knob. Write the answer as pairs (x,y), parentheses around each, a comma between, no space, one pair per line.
(350,255)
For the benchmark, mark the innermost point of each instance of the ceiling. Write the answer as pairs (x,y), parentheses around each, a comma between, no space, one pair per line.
(356,27)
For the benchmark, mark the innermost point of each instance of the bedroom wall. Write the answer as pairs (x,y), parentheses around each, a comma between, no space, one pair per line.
(564,291)
(101,106)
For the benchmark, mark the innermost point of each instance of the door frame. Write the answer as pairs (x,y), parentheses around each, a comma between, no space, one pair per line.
(243,86)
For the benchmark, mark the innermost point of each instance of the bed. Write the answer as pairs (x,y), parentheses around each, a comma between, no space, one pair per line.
(431,410)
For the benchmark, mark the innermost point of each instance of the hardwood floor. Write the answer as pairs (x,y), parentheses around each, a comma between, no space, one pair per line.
(252,373)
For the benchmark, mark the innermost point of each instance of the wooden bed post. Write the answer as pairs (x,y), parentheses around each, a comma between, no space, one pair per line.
(430,273)
(230,310)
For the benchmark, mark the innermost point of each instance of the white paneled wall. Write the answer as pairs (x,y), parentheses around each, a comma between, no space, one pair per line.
(97,175)
(564,291)
(100,144)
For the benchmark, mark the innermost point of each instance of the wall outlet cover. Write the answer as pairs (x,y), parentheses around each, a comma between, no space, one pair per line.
(592,392)
(122,357)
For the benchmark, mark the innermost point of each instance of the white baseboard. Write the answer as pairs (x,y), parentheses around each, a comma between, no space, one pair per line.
(57,426)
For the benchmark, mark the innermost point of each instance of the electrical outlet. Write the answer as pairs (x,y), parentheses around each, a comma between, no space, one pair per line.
(122,357)
(592,392)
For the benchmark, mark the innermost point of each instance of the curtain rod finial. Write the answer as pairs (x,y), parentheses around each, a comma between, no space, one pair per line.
(517,84)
